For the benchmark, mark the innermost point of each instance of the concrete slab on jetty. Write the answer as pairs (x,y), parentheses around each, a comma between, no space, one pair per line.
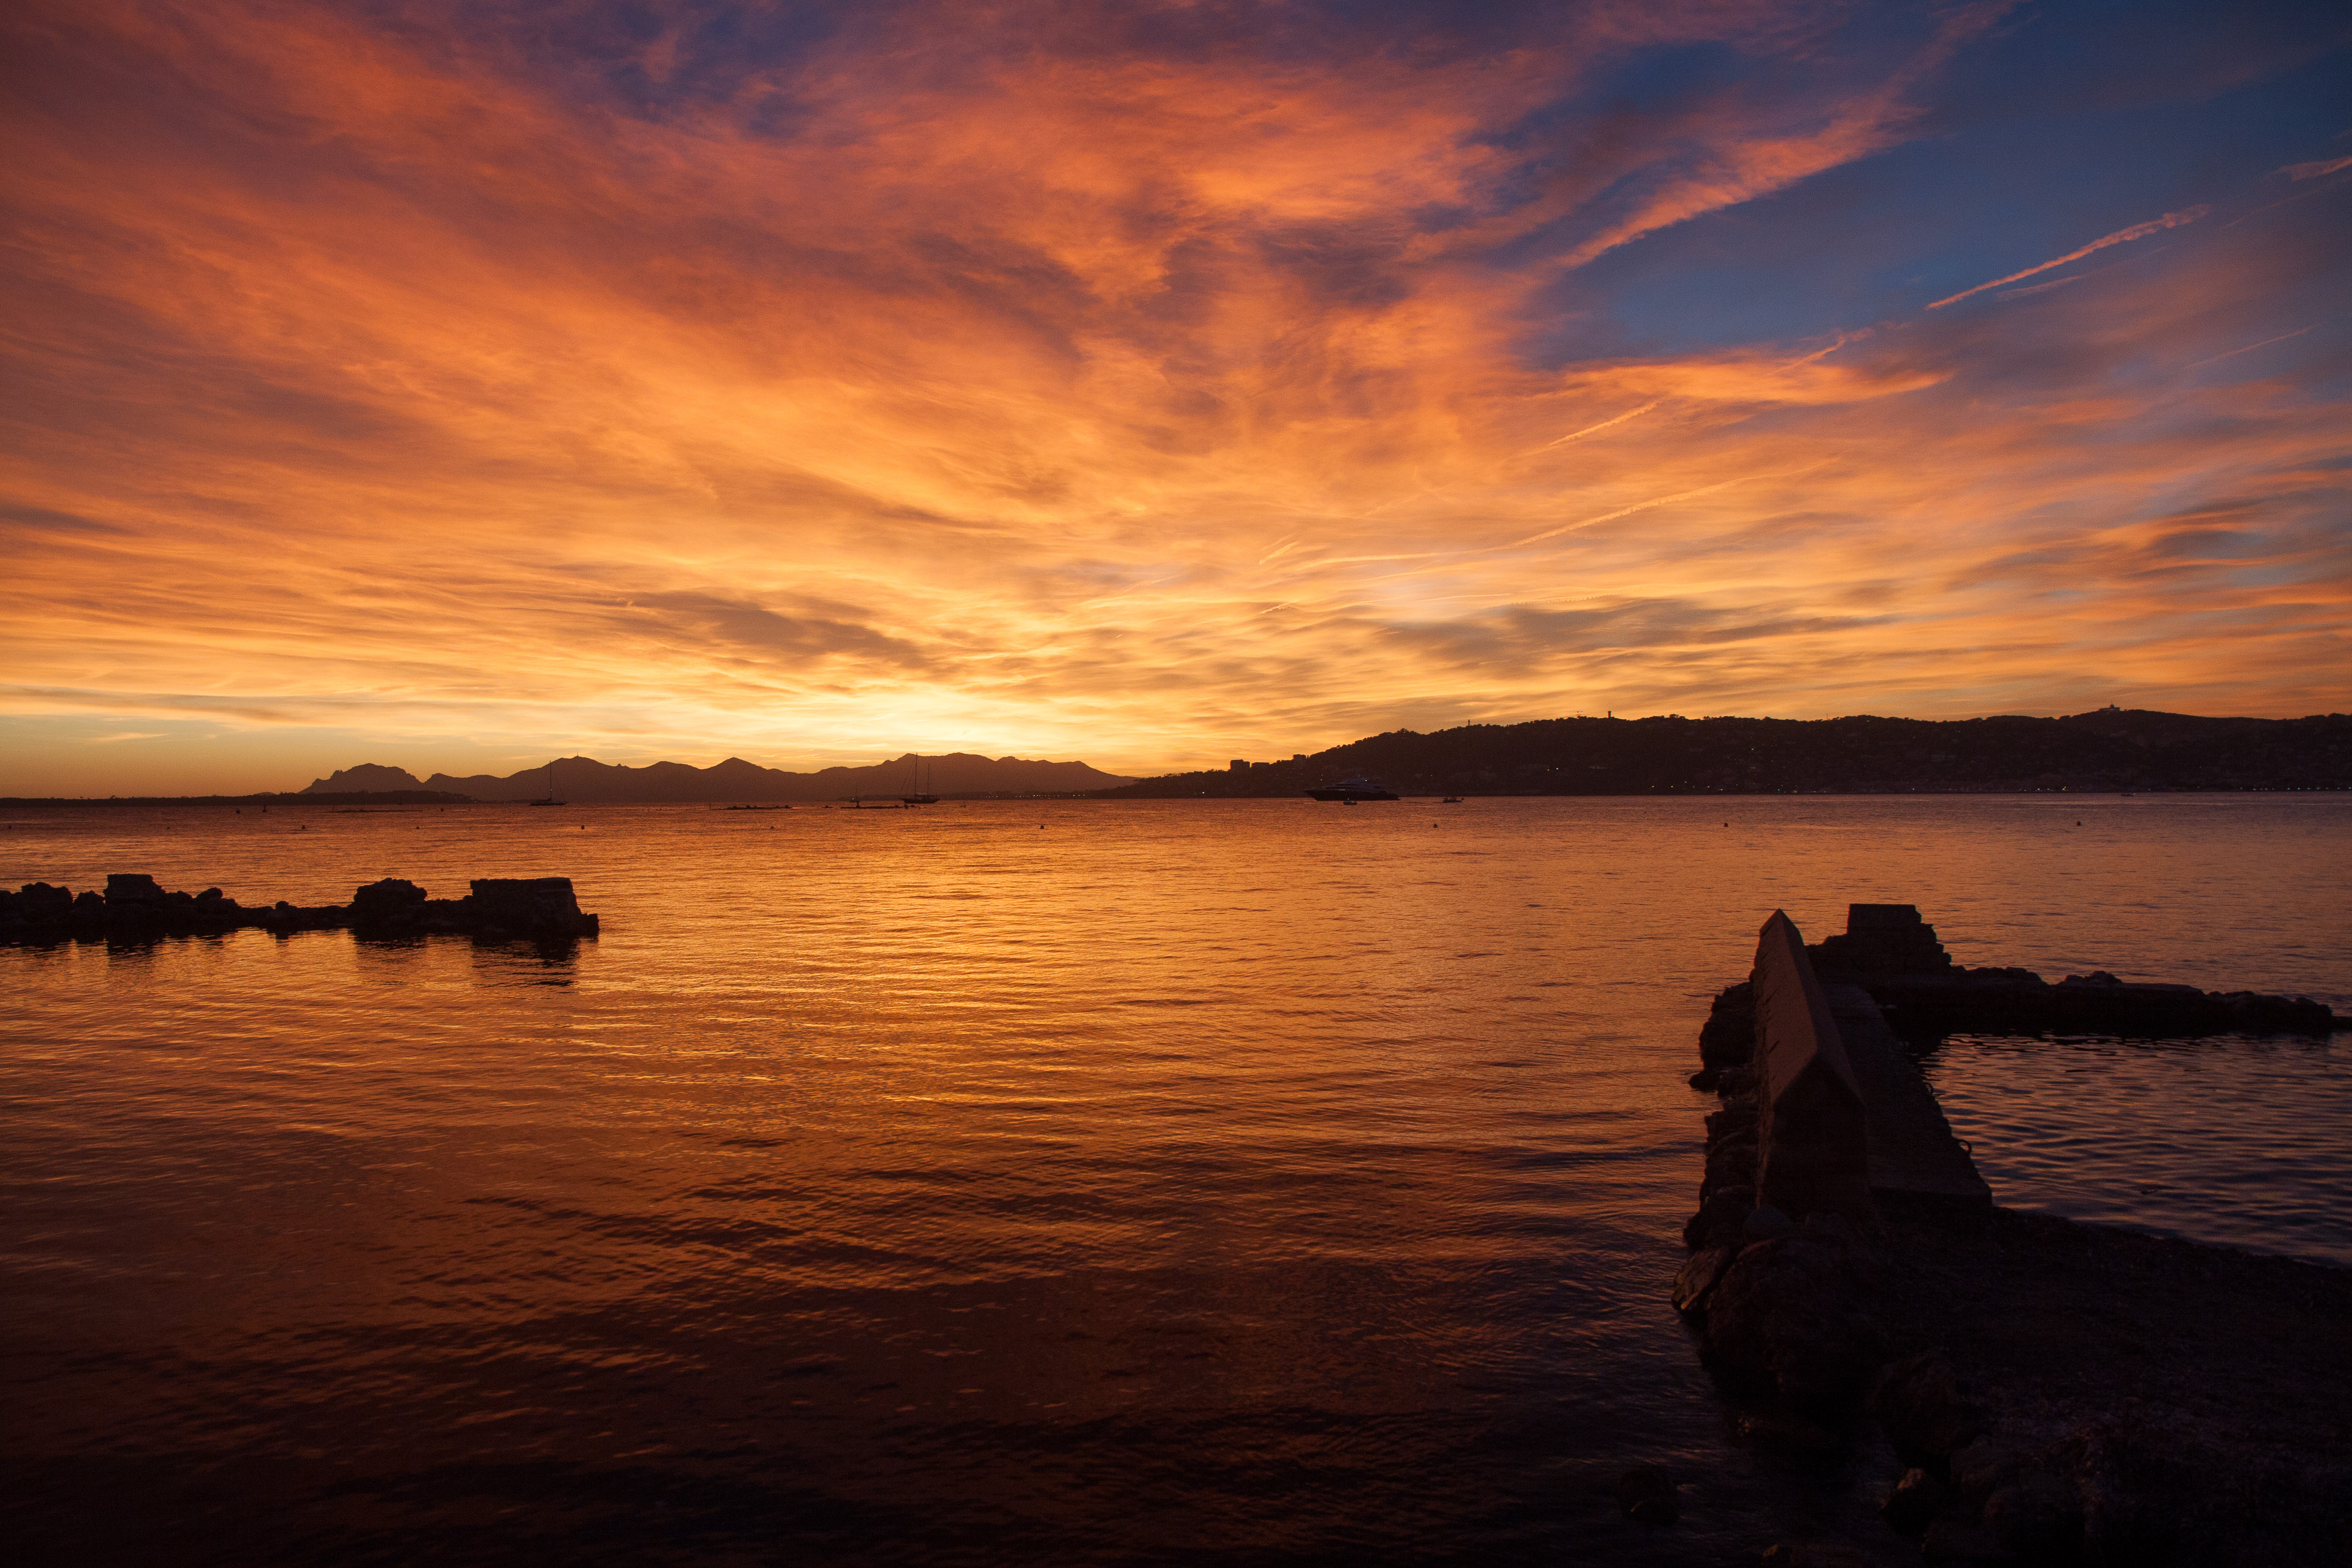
(1914,1159)
(1840,1107)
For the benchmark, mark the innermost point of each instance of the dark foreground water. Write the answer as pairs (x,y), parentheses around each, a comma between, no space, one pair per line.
(1028,1182)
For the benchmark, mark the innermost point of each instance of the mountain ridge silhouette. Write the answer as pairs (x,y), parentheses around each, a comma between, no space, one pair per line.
(587,780)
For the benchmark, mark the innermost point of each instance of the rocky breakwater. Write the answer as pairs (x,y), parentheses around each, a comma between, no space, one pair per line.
(134,907)
(1890,952)
(2056,1392)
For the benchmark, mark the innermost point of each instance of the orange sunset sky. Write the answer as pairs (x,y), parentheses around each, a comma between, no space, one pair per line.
(454,386)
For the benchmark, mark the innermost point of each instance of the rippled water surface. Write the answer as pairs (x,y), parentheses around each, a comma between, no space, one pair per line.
(1023,1181)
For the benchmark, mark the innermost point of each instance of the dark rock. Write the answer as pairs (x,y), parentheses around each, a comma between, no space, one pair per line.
(2252,1014)
(1816,1555)
(443,915)
(1647,1494)
(391,902)
(284,918)
(1699,1276)
(1731,1122)
(1925,1411)
(2129,1492)
(1883,939)
(1719,1218)
(1764,1222)
(1960,1541)
(1787,1314)
(1729,1165)
(537,905)
(2018,1001)
(132,887)
(1983,1467)
(1727,1038)
(42,904)
(1915,1502)
(1791,1433)
(2037,1520)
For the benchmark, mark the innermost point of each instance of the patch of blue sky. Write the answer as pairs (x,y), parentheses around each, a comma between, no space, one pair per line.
(1879,239)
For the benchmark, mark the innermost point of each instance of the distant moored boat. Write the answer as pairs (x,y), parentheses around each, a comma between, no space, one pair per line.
(1348,791)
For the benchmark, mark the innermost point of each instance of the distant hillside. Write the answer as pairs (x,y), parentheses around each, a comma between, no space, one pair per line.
(2109,750)
(585,780)
(262,802)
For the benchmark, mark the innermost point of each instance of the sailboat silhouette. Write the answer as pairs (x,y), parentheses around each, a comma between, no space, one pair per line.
(915,776)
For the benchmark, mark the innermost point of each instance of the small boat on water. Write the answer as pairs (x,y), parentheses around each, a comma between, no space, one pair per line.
(1350,790)
(1451,800)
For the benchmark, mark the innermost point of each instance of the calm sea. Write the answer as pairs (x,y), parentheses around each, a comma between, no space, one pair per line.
(1255,1182)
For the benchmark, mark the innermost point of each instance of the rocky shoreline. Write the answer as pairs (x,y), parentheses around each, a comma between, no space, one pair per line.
(2059,1392)
(134,907)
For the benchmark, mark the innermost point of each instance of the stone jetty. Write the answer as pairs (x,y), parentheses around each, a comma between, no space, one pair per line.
(1825,1124)
(134,906)
(2058,1392)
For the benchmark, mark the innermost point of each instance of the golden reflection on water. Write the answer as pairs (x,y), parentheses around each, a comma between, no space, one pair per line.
(1060,1179)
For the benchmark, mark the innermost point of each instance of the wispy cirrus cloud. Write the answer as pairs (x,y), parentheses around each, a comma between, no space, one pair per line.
(2121,236)
(2233,353)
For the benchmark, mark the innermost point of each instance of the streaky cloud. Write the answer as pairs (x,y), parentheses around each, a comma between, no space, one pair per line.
(2313,171)
(2121,236)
